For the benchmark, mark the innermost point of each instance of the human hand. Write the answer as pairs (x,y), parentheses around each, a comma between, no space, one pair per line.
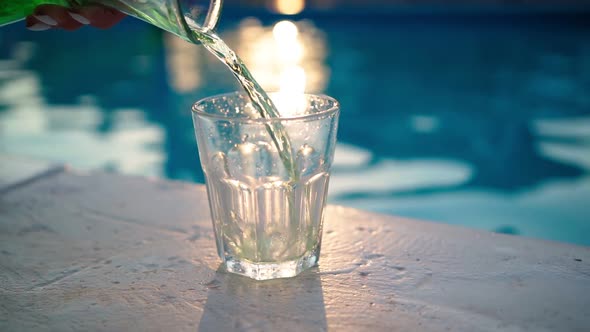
(52,16)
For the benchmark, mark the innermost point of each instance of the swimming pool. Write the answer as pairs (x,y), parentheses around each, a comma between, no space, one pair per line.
(480,121)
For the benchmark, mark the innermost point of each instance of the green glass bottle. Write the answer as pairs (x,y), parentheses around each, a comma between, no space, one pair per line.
(15,10)
(185,18)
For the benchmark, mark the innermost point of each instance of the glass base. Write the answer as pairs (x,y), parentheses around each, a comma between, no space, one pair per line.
(271,270)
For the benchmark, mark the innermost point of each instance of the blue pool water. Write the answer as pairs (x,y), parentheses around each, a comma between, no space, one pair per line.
(481,121)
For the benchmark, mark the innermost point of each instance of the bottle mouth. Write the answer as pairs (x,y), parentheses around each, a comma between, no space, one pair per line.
(191,25)
(213,14)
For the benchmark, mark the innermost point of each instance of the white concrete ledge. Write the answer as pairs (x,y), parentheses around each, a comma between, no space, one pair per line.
(18,170)
(107,252)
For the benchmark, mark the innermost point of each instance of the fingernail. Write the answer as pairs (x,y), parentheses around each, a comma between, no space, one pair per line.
(46,19)
(81,19)
(39,27)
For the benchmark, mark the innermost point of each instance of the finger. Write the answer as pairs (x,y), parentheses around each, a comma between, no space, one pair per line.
(100,16)
(34,24)
(56,16)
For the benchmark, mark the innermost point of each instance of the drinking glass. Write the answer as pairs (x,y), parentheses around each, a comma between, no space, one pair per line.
(267,210)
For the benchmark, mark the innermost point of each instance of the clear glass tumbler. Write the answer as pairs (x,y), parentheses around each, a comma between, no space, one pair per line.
(267,210)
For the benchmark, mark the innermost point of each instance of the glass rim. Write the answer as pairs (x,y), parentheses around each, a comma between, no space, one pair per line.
(198,111)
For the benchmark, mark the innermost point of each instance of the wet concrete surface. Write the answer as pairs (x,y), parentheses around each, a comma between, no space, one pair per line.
(96,251)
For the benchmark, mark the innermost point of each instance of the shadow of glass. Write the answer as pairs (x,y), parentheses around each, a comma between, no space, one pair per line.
(239,303)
